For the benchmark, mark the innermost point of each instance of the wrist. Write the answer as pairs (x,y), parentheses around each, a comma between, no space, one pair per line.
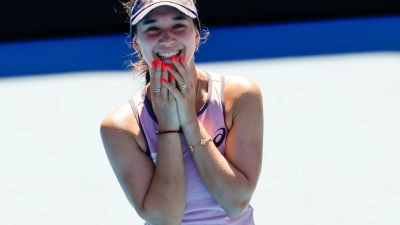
(168,124)
(190,124)
(165,128)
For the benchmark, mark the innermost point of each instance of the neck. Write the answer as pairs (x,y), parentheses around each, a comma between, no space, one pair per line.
(201,89)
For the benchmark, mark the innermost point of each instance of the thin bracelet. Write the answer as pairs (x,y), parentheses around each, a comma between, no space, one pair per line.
(202,142)
(158,132)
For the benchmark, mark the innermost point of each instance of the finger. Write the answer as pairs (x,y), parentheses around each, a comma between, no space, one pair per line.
(179,80)
(186,68)
(155,78)
(164,78)
(152,71)
(183,69)
(173,91)
(172,81)
(183,62)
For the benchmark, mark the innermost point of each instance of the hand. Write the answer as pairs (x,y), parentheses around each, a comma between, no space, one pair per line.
(163,102)
(185,97)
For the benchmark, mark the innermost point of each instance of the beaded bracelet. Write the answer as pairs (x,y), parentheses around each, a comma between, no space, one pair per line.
(158,132)
(202,142)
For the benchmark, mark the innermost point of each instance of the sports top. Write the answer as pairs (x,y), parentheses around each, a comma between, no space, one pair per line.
(201,208)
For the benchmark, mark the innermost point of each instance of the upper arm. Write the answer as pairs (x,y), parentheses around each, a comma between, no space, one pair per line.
(244,114)
(134,170)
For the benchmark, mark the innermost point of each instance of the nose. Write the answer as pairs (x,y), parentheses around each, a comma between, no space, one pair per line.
(166,38)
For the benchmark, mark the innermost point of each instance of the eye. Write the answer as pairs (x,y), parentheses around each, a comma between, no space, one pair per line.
(152,29)
(179,25)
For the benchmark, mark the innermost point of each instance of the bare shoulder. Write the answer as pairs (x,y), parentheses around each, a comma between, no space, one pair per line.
(239,87)
(241,94)
(121,118)
(121,124)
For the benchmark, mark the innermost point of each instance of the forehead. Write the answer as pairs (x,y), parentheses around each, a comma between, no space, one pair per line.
(162,13)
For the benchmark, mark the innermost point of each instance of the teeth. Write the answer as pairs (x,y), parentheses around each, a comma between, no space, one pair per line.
(168,54)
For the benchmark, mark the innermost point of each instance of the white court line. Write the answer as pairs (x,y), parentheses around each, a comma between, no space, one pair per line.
(331,143)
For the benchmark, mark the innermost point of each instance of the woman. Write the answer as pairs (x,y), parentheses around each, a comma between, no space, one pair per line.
(188,148)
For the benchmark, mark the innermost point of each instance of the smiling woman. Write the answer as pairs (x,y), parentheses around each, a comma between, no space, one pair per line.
(186,149)
(143,7)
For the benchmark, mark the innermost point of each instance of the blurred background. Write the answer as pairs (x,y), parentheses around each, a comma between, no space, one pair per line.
(61,36)
(329,73)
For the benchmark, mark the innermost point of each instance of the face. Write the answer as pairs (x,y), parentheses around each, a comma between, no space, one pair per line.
(165,32)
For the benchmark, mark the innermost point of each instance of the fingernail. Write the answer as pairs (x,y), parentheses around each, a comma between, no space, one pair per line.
(153,64)
(171,77)
(159,62)
(168,66)
(182,58)
(164,80)
(163,67)
(174,58)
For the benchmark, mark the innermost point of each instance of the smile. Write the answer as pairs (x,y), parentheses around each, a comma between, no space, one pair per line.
(166,55)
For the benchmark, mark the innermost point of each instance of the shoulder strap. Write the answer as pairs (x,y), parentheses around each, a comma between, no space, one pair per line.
(134,109)
(223,91)
(136,113)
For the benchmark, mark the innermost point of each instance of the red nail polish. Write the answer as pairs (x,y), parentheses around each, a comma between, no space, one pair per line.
(174,58)
(163,67)
(164,80)
(182,58)
(171,77)
(153,64)
(159,62)
(168,66)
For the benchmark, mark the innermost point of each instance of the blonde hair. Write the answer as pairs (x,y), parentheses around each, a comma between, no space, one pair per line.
(140,67)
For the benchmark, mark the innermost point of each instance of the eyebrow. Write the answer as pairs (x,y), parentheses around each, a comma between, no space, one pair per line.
(149,21)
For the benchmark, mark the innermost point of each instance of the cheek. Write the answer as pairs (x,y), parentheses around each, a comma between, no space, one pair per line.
(146,48)
(190,41)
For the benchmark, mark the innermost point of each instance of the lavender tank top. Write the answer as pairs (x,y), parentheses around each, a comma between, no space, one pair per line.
(201,208)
